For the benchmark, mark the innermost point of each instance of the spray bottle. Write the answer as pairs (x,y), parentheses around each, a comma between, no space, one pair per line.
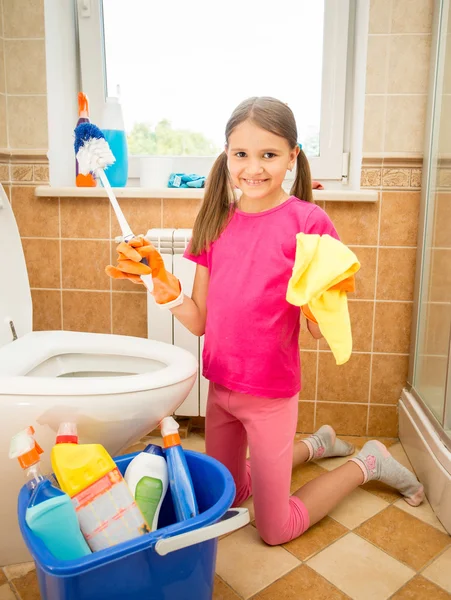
(180,482)
(50,514)
(105,508)
(83,117)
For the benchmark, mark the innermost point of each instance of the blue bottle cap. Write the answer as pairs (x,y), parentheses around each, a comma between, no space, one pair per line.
(153,449)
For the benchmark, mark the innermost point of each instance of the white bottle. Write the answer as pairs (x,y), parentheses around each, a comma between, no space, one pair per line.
(147,478)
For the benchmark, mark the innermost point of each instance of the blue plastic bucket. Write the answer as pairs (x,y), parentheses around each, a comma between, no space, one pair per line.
(176,562)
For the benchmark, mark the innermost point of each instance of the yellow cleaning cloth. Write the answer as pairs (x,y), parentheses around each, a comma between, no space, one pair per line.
(322,274)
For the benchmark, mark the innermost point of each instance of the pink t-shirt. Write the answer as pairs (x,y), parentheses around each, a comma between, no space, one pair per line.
(252,332)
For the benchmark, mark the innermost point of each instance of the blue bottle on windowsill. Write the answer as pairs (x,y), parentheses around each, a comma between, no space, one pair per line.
(113,129)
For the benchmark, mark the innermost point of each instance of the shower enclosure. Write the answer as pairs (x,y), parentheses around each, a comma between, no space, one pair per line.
(425,408)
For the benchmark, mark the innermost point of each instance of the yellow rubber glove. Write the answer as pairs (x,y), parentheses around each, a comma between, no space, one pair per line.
(167,289)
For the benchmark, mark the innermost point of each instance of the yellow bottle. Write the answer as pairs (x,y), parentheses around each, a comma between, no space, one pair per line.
(106,510)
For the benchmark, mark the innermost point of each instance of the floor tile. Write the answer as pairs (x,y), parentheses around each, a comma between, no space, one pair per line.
(249,504)
(303,583)
(420,588)
(397,451)
(358,507)
(222,591)
(423,512)
(6,592)
(360,570)
(439,571)
(316,538)
(404,537)
(27,586)
(304,473)
(194,442)
(2,577)
(19,570)
(248,565)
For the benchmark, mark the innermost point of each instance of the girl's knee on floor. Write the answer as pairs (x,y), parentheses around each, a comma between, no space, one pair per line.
(275,531)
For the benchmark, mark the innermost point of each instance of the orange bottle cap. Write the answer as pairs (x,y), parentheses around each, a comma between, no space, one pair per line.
(83,105)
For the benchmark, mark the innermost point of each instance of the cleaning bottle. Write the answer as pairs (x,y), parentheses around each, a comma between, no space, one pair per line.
(105,508)
(147,478)
(112,126)
(83,117)
(180,482)
(50,514)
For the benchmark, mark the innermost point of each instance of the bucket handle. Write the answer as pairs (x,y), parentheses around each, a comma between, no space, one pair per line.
(233,519)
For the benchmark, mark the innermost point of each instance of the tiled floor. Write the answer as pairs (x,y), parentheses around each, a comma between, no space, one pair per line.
(374,546)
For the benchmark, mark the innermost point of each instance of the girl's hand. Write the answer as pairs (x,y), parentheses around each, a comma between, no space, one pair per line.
(167,287)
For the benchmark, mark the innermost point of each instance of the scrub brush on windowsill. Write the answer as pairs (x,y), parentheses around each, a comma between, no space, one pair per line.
(94,156)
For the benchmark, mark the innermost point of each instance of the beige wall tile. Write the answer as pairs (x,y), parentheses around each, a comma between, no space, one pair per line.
(85,218)
(399,218)
(444,141)
(27,121)
(23,18)
(395,178)
(2,65)
(46,310)
(409,64)
(396,273)
(35,216)
(25,66)
(346,419)
(373,135)
(306,417)
(383,421)
(356,222)
(4,174)
(83,264)
(442,218)
(365,278)
(22,173)
(42,258)
(361,314)
(130,314)
(415,178)
(389,376)
(180,212)
(440,278)
(376,65)
(87,311)
(392,327)
(404,131)
(380,16)
(371,177)
(142,214)
(344,383)
(308,376)
(41,173)
(412,16)
(3,134)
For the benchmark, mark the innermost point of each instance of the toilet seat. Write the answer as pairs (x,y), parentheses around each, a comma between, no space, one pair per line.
(19,360)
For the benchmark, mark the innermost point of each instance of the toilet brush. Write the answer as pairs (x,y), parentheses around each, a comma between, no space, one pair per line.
(94,156)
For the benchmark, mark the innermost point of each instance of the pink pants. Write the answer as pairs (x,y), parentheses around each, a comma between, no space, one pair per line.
(234,421)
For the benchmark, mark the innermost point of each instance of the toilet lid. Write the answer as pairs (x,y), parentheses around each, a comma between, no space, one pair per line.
(15,295)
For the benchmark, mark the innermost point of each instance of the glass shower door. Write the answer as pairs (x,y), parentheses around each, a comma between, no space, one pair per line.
(432,373)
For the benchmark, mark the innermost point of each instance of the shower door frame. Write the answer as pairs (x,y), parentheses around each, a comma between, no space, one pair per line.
(441,8)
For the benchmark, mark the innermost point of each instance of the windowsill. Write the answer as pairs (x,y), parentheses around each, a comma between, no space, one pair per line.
(363,195)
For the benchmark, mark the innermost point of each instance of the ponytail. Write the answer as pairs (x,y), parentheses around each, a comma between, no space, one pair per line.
(215,210)
(302,186)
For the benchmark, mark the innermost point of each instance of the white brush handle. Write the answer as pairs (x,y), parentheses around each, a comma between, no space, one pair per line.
(127,233)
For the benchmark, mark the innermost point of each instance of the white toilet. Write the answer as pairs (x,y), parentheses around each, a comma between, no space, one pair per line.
(116,388)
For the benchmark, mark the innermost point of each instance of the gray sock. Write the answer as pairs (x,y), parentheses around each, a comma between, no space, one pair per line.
(378,464)
(324,443)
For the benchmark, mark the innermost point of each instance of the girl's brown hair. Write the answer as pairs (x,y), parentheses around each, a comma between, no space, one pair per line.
(219,200)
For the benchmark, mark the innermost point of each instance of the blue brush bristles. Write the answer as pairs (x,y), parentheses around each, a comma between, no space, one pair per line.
(85,132)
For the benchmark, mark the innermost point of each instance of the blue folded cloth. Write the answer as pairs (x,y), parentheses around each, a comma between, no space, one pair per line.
(181,180)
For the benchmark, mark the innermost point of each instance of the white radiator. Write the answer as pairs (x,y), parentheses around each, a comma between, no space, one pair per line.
(162,326)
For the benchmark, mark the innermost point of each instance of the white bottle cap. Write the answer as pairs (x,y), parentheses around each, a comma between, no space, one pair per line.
(169,426)
(22,443)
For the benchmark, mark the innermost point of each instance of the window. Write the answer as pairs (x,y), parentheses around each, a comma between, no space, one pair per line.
(182,67)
